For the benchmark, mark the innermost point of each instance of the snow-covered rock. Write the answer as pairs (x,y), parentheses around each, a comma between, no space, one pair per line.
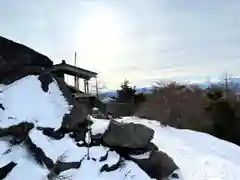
(24,100)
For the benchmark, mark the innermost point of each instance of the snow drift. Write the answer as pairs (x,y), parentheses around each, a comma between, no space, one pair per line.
(199,156)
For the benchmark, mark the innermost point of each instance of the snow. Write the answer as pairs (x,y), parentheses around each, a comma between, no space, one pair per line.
(24,100)
(89,169)
(198,155)
(142,156)
(107,99)
(99,126)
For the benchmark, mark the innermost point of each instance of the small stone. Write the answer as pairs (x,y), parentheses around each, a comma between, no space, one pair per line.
(1,107)
(175,175)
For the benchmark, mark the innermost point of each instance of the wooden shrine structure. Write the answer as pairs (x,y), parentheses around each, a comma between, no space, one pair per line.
(78,73)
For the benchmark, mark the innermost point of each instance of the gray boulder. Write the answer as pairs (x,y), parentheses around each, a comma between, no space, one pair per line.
(127,135)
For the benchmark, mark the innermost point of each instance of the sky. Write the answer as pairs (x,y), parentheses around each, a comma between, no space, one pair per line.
(139,40)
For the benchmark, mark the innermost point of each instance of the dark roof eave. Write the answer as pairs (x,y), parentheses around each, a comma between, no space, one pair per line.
(74,71)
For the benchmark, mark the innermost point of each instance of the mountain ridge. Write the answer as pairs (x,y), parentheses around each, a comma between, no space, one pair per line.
(233,82)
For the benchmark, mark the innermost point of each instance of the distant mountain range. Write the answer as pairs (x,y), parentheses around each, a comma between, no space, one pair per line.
(113,93)
(234,82)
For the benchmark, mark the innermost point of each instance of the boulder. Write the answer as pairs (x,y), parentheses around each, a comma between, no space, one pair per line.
(127,135)
(15,56)
(158,166)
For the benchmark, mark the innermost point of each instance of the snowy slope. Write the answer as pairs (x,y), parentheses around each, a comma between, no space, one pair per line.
(199,156)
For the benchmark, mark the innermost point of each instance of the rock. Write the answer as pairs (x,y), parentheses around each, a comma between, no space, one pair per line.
(51,132)
(15,75)
(158,166)
(77,116)
(2,107)
(63,166)
(45,79)
(150,148)
(15,56)
(79,135)
(127,135)
(6,169)
(38,154)
(114,167)
(79,111)
(18,131)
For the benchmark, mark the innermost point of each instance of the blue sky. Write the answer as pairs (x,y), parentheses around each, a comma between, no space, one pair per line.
(142,40)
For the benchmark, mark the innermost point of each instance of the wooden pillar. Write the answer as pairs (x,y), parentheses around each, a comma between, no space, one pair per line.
(96,87)
(86,86)
(85,90)
(76,82)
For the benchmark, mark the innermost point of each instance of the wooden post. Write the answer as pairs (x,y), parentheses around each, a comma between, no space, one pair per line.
(96,87)
(75,59)
(85,86)
(76,82)
(76,79)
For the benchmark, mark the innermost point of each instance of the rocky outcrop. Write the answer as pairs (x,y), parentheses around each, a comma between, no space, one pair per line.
(18,59)
(133,142)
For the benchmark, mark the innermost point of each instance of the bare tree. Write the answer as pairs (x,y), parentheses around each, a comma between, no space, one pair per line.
(176,105)
(97,85)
